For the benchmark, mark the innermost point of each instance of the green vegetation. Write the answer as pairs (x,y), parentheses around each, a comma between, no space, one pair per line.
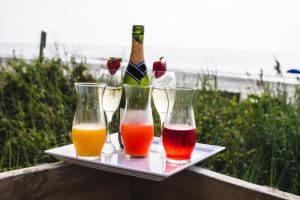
(37,103)
(261,133)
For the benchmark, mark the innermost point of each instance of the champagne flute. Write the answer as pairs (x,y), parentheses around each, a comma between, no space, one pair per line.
(111,100)
(160,81)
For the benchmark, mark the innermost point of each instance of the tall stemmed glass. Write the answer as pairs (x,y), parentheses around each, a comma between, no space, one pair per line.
(111,100)
(160,81)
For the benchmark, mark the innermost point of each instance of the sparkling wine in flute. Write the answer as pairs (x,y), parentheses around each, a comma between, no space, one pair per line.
(160,100)
(111,98)
(112,78)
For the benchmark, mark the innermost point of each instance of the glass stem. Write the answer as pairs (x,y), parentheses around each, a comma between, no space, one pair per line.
(161,116)
(161,129)
(109,116)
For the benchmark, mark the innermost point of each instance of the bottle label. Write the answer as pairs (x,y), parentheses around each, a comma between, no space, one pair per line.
(137,71)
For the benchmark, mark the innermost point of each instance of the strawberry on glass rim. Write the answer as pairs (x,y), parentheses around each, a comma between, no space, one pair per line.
(159,67)
(113,64)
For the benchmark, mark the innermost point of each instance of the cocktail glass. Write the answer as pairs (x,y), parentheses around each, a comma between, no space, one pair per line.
(89,129)
(137,127)
(179,132)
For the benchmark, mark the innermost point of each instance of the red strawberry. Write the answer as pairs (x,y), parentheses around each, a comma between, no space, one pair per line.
(113,64)
(159,68)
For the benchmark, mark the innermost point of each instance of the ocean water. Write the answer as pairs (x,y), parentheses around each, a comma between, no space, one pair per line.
(237,70)
(217,61)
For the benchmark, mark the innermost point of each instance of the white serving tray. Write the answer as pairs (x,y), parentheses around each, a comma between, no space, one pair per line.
(153,167)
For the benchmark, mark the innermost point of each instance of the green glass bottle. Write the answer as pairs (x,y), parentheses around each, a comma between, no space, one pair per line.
(136,71)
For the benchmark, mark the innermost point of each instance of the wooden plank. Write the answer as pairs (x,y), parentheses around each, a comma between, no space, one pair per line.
(63,181)
(199,183)
(66,181)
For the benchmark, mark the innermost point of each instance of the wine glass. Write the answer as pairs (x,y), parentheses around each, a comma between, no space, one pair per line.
(111,100)
(160,81)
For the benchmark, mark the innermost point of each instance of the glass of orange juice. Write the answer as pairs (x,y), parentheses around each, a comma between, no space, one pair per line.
(89,128)
(137,128)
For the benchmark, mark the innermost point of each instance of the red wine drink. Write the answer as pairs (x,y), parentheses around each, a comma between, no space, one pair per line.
(179,131)
(179,141)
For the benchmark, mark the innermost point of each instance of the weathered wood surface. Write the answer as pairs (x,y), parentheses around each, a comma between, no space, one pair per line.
(199,183)
(65,181)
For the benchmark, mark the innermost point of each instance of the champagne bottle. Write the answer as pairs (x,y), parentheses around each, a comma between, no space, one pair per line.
(136,71)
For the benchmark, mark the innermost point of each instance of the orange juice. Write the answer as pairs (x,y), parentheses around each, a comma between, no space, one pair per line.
(88,139)
(137,138)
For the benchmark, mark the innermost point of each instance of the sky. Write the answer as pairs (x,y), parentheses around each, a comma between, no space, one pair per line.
(265,25)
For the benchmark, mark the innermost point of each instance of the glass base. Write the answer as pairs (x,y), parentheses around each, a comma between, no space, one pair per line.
(108,148)
(180,162)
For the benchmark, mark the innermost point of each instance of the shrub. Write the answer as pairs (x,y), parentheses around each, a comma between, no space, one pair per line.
(37,103)
(261,135)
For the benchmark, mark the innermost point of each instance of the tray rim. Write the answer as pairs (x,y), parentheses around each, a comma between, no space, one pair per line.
(134,172)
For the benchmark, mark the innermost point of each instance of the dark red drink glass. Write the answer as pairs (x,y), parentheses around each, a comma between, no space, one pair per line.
(179,143)
(179,131)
